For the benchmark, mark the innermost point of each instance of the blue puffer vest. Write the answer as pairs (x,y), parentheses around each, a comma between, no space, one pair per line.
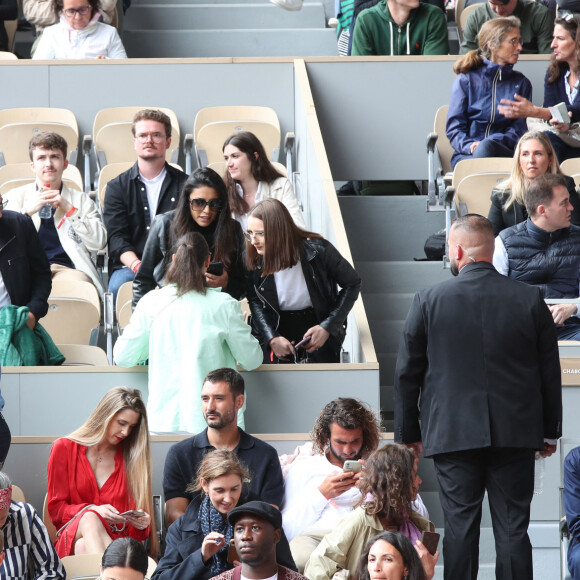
(548,260)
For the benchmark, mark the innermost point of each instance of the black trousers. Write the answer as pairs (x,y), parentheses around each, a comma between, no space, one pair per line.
(5,438)
(508,476)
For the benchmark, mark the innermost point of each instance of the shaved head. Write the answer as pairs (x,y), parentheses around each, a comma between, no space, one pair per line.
(473,235)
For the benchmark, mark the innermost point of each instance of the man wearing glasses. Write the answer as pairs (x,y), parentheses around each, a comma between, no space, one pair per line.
(537,24)
(135,197)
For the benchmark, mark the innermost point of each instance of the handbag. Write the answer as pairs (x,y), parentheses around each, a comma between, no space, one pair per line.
(571,137)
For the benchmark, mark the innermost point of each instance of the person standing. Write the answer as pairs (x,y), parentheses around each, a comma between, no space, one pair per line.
(480,352)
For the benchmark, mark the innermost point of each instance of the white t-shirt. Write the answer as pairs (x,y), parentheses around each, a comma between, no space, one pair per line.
(153,187)
(4,297)
(291,288)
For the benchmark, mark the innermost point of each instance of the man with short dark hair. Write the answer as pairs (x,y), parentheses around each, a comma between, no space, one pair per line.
(478,388)
(257,530)
(222,396)
(537,24)
(152,186)
(544,250)
(317,490)
(71,228)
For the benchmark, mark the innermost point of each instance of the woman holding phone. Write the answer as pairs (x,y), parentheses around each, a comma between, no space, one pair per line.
(99,477)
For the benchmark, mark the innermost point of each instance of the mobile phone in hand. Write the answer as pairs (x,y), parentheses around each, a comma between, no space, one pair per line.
(430,540)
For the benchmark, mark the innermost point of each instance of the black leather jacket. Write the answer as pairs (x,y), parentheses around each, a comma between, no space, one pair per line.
(157,258)
(324,268)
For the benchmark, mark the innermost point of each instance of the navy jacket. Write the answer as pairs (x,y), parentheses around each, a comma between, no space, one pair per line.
(23,263)
(555,93)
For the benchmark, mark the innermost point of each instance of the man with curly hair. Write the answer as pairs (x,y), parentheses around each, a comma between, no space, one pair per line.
(318,492)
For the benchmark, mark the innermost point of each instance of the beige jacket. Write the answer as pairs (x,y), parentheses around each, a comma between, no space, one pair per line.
(80,234)
(40,13)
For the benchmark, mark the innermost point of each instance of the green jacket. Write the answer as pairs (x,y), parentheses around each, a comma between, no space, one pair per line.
(376,33)
(536,31)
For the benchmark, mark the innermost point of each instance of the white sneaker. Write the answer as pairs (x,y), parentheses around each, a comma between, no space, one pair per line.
(291,5)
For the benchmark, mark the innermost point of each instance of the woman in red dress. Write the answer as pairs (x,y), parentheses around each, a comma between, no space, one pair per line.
(99,472)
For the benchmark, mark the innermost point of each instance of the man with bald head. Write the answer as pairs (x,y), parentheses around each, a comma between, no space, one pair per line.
(480,354)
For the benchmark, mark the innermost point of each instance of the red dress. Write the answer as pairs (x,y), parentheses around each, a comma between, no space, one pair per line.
(72,486)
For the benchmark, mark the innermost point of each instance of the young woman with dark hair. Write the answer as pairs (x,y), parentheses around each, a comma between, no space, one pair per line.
(203,208)
(293,287)
(186,330)
(124,559)
(250,177)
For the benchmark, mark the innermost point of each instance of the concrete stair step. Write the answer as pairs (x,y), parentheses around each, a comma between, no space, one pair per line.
(384,306)
(386,335)
(229,16)
(399,277)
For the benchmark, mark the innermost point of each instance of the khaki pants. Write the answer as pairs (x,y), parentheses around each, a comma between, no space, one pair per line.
(303,545)
(63,273)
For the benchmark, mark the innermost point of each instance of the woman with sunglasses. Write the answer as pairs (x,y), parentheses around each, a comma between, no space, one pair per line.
(79,34)
(293,287)
(203,208)
(186,330)
(561,85)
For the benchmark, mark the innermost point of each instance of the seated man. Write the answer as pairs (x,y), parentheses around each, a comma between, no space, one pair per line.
(544,250)
(257,529)
(318,492)
(26,281)
(72,227)
(135,197)
(27,546)
(400,27)
(571,497)
(537,24)
(222,396)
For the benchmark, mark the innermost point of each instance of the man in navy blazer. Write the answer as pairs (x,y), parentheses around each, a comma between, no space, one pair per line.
(479,353)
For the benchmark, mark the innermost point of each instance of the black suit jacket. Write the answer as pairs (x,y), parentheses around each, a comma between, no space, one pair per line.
(480,354)
(23,263)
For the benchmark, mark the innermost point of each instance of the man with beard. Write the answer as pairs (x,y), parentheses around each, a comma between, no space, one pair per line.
(257,529)
(318,492)
(479,353)
(222,396)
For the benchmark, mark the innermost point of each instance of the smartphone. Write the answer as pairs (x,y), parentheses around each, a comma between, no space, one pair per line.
(232,553)
(303,341)
(133,513)
(430,540)
(215,268)
(350,465)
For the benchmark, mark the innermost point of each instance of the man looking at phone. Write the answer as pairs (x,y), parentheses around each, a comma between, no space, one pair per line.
(222,396)
(319,490)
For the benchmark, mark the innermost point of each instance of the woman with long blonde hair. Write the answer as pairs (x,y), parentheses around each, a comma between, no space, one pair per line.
(475,127)
(99,477)
(534,156)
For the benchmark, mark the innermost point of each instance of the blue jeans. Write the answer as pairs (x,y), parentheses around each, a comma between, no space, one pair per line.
(118,278)
(486,148)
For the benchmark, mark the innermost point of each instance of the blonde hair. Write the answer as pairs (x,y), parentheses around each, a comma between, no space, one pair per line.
(215,464)
(517,182)
(490,35)
(136,449)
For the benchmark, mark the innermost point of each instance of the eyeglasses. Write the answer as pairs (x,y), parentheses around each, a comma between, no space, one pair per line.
(198,204)
(253,236)
(515,41)
(72,12)
(155,137)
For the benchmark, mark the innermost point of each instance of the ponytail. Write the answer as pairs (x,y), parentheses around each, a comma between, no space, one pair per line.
(189,256)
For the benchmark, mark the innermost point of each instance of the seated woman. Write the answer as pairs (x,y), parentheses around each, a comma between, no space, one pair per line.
(534,156)
(98,473)
(389,486)
(391,556)
(560,86)
(474,126)
(124,559)
(199,541)
(185,330)
(250,178)
(79,34)
(292,287)
(203,207)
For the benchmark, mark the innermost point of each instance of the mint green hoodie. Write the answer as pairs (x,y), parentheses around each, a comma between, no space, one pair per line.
(376,33)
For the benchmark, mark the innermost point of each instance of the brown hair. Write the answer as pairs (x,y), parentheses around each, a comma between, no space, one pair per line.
(215,464)
(262,169)
(490,35)
(389,478)
(189,256)
(541,191)
(48,141)
(349,414)
(59,4)
(282,238)
(152,115)
(556,68)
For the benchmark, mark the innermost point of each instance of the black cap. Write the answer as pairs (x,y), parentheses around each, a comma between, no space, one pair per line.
(263,510)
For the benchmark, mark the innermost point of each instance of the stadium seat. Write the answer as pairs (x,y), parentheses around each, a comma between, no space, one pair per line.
(7,56)
(571,167)
(17,126)
(76,289)
(473,194)
(107,173)
(467,167)
(17,493)
(124,295)
(124,315)
(83,355)
(47,521)
(84,566)
(70,320)
(18,174)
(462,20)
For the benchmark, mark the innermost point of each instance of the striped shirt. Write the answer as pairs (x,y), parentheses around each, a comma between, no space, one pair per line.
(28,547)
